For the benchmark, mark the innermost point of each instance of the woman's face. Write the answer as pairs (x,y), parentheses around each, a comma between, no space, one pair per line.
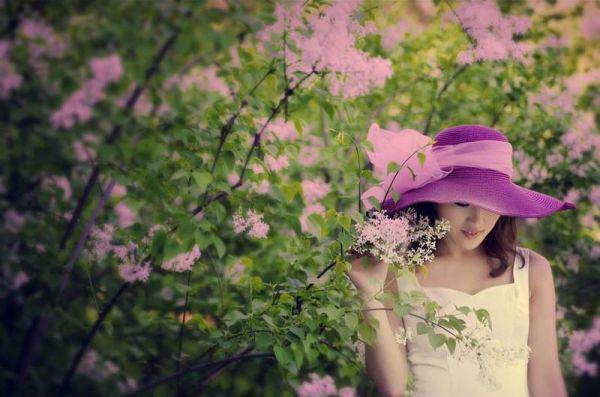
(463,216)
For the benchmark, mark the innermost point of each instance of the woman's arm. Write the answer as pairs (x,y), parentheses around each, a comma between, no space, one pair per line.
(386,362)
(544,376)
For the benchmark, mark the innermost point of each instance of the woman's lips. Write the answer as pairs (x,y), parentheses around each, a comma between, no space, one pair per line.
(471,235)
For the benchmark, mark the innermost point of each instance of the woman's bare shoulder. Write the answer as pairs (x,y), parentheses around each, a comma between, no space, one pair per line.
(540,272)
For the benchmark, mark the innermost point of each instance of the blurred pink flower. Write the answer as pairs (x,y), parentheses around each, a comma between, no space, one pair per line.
(13,221)
(184,261)
(277,164)
(492,31)
(125,216)
(310,209)
(314,190)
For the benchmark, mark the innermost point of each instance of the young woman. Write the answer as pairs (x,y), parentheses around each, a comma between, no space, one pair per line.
(485,269)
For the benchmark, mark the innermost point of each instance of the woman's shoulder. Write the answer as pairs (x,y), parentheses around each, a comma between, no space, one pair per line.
(540,272)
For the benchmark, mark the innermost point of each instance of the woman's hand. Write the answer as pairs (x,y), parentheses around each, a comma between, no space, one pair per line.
(368,274)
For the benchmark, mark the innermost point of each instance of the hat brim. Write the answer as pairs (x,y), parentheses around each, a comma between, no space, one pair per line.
(485,188)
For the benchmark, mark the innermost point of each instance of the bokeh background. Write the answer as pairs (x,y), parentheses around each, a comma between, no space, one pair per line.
(179,179)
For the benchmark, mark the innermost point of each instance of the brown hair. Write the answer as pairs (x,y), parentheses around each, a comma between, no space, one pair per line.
(500,242)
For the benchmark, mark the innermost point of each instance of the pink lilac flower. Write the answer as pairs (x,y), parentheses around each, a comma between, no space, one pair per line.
(314,190)
(590,22)
(318,387)
(347,392)
(60,182)
(394,34)
(83,153)
(277,164)
(309,152)
(142,107)
(20,279)
(595,196)
(573,196)
(78,107)
(134,272)
(128,385)
(101,240)
(315,208)
(253,223)
(118,191)
(595,252)
(492,31)
(234,273)
(278,130)
(9,79)
(263,187)
(125,216)
(580,343)
(43,43)
(204,79)
(329,46)
(14,221)
(183,261)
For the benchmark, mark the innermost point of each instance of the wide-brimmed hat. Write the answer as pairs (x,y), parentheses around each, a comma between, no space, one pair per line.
(469,163)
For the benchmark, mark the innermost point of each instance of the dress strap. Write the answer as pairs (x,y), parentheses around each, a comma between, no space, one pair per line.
(521,274)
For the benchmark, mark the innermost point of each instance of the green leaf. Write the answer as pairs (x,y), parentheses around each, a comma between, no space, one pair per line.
(283,355)
(219,245)
(451,343)
(395,196)
(421,157)
(422,328)
(484,317)
(351,320)
(374,202)
(263,340)
(202,179)
(366,333)
(392,167)
(436,340)
(298,126)
(329,109)
(344,221)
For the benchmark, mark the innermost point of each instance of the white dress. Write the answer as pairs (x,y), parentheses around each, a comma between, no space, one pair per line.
(437,372)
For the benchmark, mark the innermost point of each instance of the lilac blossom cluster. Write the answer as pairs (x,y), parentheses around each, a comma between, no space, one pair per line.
(388,238)
(323,386)
(327,42)
(78,107)
(493,32)
(184,261)
(581,342)
(129,269)
(252,223)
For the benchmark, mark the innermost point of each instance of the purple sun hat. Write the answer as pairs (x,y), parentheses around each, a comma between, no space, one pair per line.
(466,163)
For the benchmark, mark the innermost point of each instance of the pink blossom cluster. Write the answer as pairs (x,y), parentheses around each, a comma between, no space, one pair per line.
(309,152)
(394,34)
(314,190)
(234,273)
(92,367)
(101,240)
(594,196)
(204,79)
(313,208)
(43,44)
(323,386)
(78,107)
(13,221)
(590,22)
(9,78)
(581,342)
(327,42)
(277,163)
(493,32)
(125,215)
(582,136)
(129,269)
(279,130)
(528,169)
(252,223)
(84,153)
(564,101)
(184,261)
(60,182)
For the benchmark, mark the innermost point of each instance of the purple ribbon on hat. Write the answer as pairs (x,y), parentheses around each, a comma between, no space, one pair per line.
(404,146)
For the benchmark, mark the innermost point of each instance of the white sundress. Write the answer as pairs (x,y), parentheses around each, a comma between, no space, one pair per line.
(437,372)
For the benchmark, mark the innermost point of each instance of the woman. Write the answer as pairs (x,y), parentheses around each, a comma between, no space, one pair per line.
(468,182)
